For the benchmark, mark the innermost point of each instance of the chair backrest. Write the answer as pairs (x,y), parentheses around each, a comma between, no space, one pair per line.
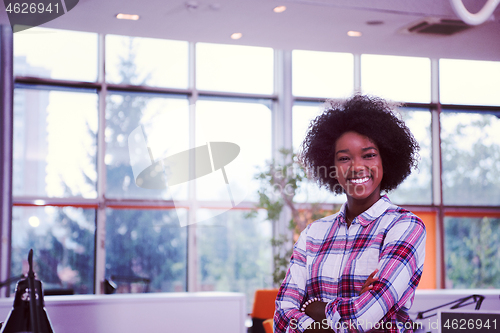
(268,325)
(264,303)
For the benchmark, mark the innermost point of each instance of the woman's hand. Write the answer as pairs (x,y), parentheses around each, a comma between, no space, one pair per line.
(369,282)
(316,310)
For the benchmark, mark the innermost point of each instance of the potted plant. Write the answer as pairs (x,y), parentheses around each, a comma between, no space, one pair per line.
(279,184)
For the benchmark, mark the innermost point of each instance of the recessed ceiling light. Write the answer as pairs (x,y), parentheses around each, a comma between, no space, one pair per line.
(354,33)
(127,17)
(237,35)
(279,9)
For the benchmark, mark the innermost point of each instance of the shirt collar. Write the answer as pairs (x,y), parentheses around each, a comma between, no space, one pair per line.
(371,214)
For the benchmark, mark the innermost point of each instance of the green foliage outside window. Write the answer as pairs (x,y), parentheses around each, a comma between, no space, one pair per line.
(279,183)
(472,252)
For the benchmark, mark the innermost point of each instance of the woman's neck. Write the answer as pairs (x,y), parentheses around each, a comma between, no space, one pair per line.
(355,207)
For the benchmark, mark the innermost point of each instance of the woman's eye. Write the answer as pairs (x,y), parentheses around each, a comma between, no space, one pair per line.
(370,155)
(343,158)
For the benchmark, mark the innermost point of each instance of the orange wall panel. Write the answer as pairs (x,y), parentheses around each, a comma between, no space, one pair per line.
(428,280)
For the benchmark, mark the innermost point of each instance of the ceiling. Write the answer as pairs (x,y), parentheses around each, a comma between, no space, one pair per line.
(306,24)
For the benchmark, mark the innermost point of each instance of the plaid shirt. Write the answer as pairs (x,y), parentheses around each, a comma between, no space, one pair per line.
(332,262)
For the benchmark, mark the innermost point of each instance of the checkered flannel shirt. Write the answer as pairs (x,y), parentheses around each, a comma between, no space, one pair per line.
(332,262)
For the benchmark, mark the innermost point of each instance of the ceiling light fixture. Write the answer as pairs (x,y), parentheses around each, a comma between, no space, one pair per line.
(237,35)
(354,33)
(279,9)
(127,17)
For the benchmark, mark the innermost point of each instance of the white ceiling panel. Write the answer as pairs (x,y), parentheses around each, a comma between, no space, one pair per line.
(306,24)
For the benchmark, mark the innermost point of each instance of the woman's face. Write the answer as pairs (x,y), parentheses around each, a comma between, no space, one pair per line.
(358,166)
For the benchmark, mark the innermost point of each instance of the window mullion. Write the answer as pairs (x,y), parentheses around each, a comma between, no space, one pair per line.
(100,233)
(437,184)
(192,253)
(6,121)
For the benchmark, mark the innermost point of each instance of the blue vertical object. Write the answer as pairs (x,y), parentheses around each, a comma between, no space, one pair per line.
(28,313)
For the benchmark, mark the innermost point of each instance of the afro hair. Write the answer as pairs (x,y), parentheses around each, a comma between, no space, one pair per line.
(369,116)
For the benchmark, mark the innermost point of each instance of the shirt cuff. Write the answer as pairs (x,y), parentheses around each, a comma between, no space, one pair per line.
(333,320)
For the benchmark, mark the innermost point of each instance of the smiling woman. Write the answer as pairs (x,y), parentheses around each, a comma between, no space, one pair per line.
(359,268)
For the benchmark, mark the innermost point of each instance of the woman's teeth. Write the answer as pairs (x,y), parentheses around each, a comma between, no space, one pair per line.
(359,180)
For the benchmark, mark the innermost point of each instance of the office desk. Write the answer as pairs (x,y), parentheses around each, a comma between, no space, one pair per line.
(217,312)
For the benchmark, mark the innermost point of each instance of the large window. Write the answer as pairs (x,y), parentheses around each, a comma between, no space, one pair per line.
(322,74)
(472,253)
(232,68)
(55,142)
(403,79)
(146,248)
(417,188)
(162,120)
(469,82)
(471,155)
(96,140)
(146,61)
(56,54)
(81,152)
(63,238)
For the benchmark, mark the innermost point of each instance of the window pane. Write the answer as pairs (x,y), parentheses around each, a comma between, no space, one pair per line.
(56,54)
(234,254)
(405,79)
(164,130)
(62,240)
(469,82)
(472,254)
(322,74)
(54,146)
(471,158)
(303,114)
(234,68)
(148,244)
(247,125)
(417,188)
(146,61)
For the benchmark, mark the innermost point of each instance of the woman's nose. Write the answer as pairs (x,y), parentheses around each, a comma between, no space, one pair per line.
(357,164)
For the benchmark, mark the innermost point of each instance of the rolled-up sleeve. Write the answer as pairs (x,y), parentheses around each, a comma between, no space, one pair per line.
(288,317)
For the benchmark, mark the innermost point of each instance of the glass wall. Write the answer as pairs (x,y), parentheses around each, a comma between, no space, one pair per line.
(55,142)
(95,151)
(63,240)
(81,156)
(471,252)
(402,79)
(146,249)
(322,74)
(470,153)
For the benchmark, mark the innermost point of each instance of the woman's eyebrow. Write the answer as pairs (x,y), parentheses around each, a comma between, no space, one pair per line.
(368,148)
(342,151)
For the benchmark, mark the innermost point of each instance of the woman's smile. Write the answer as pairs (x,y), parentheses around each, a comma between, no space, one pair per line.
(359,166)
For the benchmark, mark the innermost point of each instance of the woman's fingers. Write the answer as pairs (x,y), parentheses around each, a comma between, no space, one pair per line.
(369,282)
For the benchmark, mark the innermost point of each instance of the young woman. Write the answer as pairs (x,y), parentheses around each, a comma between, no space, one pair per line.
(356,270)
